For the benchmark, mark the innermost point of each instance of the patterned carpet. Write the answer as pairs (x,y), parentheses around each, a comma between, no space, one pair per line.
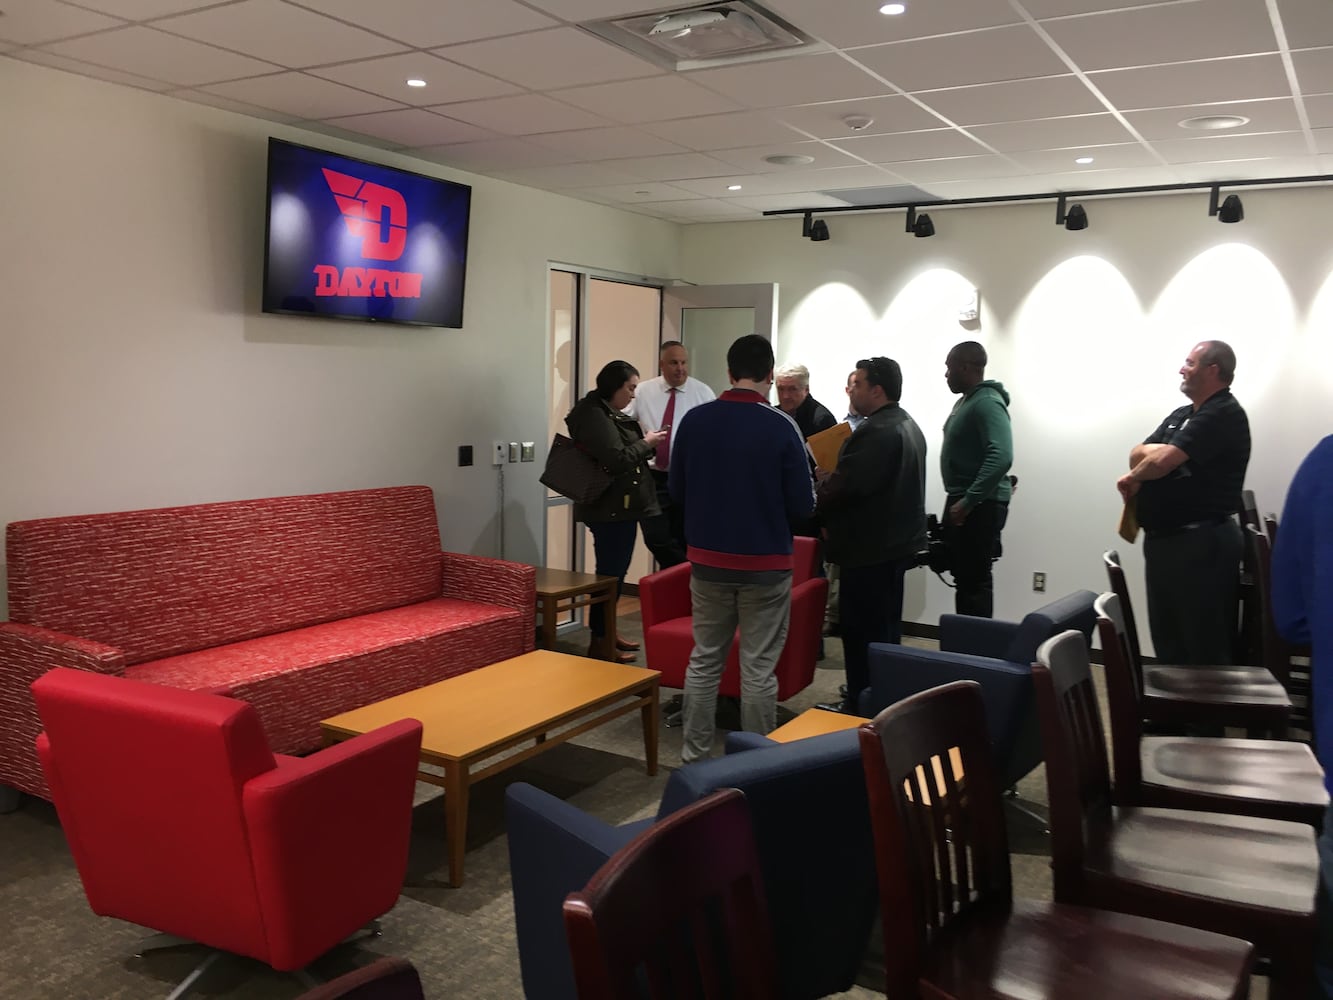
(461,940)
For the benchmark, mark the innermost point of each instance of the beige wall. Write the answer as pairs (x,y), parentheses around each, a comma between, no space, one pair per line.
(1087,330)
(139,371)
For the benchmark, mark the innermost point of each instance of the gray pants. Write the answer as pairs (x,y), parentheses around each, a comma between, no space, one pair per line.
(762,611)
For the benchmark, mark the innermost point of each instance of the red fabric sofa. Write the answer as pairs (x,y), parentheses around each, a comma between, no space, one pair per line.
(668,628)
(303,606)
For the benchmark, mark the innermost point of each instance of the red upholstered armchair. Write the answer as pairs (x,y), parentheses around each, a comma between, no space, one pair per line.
(181,819)
(668,635)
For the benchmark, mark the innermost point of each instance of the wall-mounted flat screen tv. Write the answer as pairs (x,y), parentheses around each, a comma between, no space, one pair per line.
(357,240)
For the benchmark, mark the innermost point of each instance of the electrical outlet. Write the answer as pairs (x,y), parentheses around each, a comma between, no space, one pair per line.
(513,451)
(499,451)
(464,454)
(1039,582)
(529,451)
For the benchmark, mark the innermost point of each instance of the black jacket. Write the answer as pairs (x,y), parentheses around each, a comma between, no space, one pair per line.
(617,442)
(874,505)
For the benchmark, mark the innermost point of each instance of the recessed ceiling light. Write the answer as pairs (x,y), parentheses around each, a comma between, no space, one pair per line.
(1083,160)
(789,160)
(1213,123)
(416,83)
(733,187)
(893,8)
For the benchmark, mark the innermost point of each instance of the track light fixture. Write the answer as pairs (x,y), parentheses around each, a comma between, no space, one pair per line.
(919,226)
(1231,210)
(1074,219)
(819,231)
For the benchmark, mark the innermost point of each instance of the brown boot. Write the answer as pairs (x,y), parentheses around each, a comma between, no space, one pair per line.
(594,653)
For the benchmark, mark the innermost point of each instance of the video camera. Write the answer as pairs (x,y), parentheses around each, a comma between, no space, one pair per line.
(936,553)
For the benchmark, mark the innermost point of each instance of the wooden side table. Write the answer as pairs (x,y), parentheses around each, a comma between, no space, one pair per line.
(561,590)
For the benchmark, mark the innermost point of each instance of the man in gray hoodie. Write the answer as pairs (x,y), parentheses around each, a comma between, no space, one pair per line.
(975,457)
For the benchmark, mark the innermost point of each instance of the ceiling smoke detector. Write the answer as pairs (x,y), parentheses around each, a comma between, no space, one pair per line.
(789,159)
(1214,123)
(858,122)
(716,34)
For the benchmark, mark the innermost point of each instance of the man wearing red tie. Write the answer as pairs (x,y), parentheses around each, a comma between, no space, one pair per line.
(660,403)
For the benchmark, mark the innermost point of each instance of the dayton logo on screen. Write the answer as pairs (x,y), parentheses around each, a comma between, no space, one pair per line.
(378,216)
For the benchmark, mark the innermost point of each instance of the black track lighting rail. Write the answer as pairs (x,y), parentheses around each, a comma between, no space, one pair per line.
(1058,195)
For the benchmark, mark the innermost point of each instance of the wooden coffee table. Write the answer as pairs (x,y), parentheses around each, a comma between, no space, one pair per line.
(470,719)
(561,590)
(815,722)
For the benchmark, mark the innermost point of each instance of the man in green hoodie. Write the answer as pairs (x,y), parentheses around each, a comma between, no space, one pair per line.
(975,457)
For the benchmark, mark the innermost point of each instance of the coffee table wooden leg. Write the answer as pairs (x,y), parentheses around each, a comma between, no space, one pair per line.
(455,819)
(548,613)
(609,639)
(650,716)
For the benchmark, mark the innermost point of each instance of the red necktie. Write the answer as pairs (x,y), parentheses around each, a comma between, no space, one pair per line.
(664,449)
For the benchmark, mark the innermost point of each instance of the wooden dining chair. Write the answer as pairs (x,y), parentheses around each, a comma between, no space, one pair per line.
(384,979)
(951,925)
(679,911)
(1288,662)
(1249,697)
(1243,876)
(1273,778)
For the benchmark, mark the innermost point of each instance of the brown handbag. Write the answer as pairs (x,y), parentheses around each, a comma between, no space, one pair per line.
(574,473)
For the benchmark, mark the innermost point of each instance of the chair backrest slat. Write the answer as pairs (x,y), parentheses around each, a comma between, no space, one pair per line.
(1115,574)
(1123,692)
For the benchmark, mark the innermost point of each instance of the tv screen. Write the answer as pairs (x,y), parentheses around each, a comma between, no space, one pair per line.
(357,240)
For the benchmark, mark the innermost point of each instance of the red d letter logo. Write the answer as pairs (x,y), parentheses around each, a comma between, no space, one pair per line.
(373,212)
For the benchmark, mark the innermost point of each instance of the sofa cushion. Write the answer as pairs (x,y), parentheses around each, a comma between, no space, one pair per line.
(155,583)
(295,678)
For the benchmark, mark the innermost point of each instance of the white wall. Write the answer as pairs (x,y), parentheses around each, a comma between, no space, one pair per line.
(138,370)
(1087,330)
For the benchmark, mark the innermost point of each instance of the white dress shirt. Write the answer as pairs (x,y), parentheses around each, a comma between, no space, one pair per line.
(649,405)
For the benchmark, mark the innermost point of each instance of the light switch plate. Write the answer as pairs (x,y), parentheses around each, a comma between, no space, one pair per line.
(529,452)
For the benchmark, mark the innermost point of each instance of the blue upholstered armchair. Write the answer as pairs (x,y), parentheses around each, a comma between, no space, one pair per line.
(812,827)
(998,656)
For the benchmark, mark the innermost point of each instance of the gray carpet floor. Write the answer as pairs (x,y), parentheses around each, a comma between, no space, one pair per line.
(461,940)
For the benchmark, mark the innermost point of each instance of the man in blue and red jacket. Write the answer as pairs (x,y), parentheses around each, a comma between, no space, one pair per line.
(740,469)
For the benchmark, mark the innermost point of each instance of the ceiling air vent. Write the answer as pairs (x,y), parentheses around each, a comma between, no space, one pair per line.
(717,34)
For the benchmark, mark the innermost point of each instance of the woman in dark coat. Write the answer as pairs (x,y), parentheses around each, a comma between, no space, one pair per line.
(619,444)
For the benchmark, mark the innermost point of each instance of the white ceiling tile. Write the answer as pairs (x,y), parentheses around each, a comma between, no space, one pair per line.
(545,60)
(702,210)
(910,145)
(1314,70)
(283,34)
(1129,154)
(428,23)
(360,138)
(887,114)
(1238,170)
(1323,140)
(495,154)
(301,95)
(779,202)
(798,80)
(590,10)
(1213,81)
(1166,33)
(848,24)
(523,114)
(1053,133)
(412,127)
(146,52)
(238,107)
(1015,101)
(640,191)
(672,167)
(1277,115)
(143,10)
(1012,53)
(654,99)
(1319,109)
(43,58)
(388,76)
(580,175)
(607,143)
(1232,147)
(1060,8)
(835,179)
(751,159)
(32,22)
(957,168)
(743,128)
(1307,23)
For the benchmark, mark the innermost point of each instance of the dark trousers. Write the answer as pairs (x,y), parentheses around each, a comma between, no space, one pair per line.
(870,609)
(973,546)
(613,544)
(664,533)
(1193,577)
